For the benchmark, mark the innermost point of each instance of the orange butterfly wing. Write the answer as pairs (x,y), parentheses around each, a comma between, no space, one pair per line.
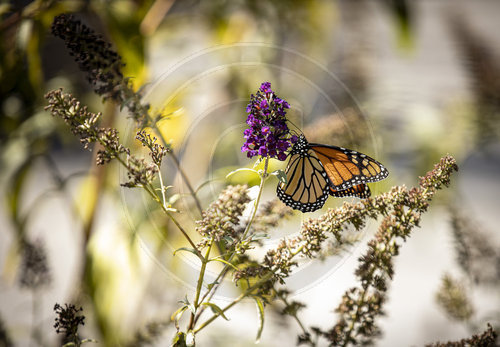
(347,168)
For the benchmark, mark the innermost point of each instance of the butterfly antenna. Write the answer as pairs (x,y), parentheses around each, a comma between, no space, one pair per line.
(299,132)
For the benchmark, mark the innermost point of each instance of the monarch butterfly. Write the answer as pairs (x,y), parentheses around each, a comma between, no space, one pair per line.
(316,171)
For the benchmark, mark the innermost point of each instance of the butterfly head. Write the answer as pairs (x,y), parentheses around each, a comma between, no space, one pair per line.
(301,146)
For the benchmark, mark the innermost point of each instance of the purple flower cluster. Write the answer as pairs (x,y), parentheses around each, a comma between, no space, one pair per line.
(268,134)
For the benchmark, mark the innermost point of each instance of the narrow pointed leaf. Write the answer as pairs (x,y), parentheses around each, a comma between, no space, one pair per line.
(240,170)
(225,262)
(215,309)
(187,249)
(210,285)
(260,312)
(178,314)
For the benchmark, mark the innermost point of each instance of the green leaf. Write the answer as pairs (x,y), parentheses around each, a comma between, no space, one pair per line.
(203,185)
(228,239)
(259,236)
(89,340)
(173,199)
(280,174)
(241,170)
(165,188)
(178,313)
(260,312)
(14,193)
(192,309)
(215,309)
(188,304)
(210,285)
(258,163)
(187,249)
(225,262)
(185,300)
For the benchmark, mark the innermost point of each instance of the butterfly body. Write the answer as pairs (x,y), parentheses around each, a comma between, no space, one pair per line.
(360,191)
(316,171)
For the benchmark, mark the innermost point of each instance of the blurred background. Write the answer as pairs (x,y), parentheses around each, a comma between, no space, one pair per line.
(404,81)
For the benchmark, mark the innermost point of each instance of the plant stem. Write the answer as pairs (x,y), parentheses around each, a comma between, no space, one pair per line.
(235,301)
(199,285)
(162,187)
(355,318)
(210,293)
(295,316)
(167,212)
(202,273)
(186,180)
(177,164)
